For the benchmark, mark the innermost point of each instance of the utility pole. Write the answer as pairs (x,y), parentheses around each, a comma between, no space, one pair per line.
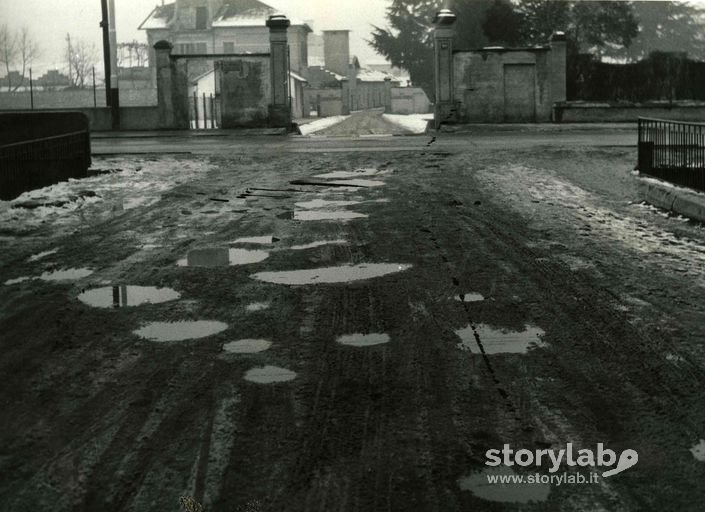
(114,91)
(106,48)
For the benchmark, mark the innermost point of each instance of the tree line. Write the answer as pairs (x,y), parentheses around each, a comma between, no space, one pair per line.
(624,31)
(18,51)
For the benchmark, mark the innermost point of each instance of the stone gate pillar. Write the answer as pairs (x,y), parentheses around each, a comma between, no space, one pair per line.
(443,56)
(388,95)
(165,84)
(279,111)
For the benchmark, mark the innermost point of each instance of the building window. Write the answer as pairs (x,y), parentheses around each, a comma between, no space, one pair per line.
(201,18)
(191,48)
(228,47)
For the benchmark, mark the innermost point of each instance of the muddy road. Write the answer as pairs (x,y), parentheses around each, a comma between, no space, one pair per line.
(304,324)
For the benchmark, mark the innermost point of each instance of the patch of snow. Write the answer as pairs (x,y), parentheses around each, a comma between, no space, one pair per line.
(646,237)
(415,123)
(662,183)
(321,124)
(139,184)
(43,254)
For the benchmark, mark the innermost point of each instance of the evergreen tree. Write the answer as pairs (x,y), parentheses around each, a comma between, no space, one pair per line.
(597,26)
(407,42)
(502,24)
(668,27)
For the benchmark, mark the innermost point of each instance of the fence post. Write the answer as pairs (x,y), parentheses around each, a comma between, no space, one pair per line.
(95,100)
(195,109)
(205,112)
(31,90)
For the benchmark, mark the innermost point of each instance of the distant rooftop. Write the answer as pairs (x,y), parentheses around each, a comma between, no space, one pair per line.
(235,13)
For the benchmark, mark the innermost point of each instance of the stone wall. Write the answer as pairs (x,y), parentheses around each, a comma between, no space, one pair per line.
(69,99)
(580,112)
(409,100)
(495,84)
(500,85)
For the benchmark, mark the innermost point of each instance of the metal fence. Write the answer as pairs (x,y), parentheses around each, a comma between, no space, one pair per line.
(673,151)
(204,112)
(40,162)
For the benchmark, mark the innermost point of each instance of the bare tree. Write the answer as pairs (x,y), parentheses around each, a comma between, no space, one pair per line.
(132,54)
(17,51)
(27,50)
(81,57)
(8,51)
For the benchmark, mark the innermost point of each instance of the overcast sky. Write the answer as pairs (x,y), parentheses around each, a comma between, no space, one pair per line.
(50,20)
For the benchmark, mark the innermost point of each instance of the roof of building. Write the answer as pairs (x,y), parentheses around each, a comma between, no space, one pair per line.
(372,75)
(247,13)
(160,17)
(235,13)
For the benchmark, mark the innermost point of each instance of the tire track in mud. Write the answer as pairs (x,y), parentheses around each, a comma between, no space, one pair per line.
(512,408)
(613,369)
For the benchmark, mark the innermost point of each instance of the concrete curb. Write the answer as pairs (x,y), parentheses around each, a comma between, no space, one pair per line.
(683,201)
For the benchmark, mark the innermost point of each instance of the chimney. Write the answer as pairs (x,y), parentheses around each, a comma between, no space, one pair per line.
(336,51)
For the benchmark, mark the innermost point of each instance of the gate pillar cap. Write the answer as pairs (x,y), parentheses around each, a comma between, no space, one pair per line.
(163,45)
(278,21)
(444,17)
(558,36)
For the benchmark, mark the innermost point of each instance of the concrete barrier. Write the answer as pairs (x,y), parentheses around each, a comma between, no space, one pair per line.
(680,200)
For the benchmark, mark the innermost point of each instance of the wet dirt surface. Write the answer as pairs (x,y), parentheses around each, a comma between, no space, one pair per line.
(130,408)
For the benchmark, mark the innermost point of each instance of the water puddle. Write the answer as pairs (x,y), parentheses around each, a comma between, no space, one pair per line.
(68,274)
(477,483)
(260,240)
(247,346)
(349,174)
(328,275)
(343,215)
(41,255)
(339,190)
(470,297)
(178,331)
(257,306)
(269,374)
(501,341)
(126,295)
(698,451)
(221,257)
(319,243)
(363,340)
(358,183)
(322,203)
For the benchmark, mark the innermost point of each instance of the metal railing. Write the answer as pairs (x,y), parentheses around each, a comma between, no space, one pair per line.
(204,112)
(673,151)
